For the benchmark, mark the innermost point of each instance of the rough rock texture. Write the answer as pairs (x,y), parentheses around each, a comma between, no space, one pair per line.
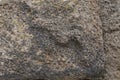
(110,17)
(59,40)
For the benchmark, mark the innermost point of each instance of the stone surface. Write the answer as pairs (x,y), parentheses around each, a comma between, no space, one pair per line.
(59,40)
(110,17)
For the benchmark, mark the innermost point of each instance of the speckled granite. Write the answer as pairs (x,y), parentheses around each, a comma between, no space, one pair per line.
(55,40)
(109,13)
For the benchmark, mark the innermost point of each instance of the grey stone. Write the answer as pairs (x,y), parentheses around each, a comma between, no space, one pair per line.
(110,16)
(59,40)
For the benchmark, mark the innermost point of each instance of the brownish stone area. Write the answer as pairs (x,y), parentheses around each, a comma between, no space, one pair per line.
(59,40)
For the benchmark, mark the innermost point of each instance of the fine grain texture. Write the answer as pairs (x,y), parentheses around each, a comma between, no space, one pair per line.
(60,40)
(109,13)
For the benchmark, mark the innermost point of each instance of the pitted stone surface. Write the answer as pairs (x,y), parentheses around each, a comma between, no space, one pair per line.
(58,40)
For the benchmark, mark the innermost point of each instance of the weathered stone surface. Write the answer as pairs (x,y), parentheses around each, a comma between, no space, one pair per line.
(59,39)
(110,17)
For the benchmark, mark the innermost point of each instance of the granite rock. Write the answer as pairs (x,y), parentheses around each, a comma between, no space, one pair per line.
(59,40)
(109,13)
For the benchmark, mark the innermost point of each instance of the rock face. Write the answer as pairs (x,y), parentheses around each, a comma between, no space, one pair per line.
(59,40)
(110,16)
